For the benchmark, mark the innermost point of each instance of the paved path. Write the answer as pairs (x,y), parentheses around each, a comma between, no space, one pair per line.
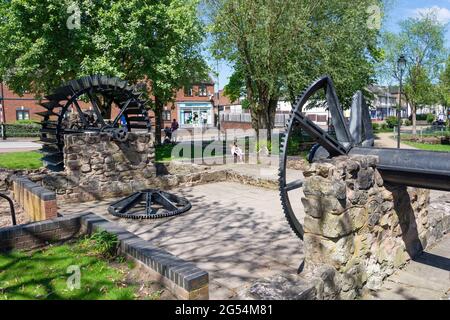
(18,146)
(268,172)
(237,233)
(426,278)
(386,140)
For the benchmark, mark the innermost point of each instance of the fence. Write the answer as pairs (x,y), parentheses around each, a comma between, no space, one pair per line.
(280,118)
(427,131)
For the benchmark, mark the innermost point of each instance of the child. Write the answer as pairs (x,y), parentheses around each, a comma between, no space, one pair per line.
(237,152)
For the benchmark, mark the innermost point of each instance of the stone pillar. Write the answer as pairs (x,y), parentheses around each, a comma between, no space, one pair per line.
(358,230)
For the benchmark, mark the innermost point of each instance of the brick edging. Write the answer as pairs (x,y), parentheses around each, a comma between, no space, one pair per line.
(36,201)
(184,279)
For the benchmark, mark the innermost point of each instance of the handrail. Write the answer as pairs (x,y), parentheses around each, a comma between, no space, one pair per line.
(11,205)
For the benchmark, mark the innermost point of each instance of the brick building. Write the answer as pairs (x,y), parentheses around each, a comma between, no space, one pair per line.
(16,108)
(193,107)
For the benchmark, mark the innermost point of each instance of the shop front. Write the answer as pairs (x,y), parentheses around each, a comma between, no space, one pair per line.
(195,115)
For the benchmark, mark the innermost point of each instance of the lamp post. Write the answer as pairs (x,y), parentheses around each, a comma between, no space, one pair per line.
(401,64)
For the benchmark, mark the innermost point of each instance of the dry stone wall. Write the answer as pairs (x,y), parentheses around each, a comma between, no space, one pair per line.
(359,230)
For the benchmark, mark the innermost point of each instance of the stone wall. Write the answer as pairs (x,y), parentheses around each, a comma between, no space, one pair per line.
(359,230)
(97,167)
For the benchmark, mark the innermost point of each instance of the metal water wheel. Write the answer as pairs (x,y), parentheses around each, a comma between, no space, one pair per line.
(90,104)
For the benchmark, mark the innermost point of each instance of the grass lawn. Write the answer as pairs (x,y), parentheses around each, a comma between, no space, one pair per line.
(429,147)
(21,160)
(44,274)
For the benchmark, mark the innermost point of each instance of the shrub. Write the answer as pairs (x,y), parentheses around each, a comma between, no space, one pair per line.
(102,243)
(407,123)
(419,117)
(391,122)
(19,129)
(430,118)
(384,126)
(375,126)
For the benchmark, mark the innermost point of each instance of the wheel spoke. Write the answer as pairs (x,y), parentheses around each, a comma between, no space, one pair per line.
(131,202)
(80,112)
(96,107)
(117,119)
(297,184)
(166,203)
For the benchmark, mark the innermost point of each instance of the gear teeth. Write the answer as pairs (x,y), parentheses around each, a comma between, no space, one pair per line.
(284,197)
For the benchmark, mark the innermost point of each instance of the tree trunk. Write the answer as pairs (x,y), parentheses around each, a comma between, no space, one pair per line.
(414,119)
(158,120)
(270,121)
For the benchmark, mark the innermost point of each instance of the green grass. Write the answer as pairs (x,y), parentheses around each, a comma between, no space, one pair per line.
(43,275)
(428,147)
(20,160)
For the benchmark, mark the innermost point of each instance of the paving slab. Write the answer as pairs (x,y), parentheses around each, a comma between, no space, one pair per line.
(425,278)
(237,233)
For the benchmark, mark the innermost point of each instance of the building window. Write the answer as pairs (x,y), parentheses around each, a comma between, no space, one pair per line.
(321,118)
(202,91)
(188,91)
(166,115)
(22,115)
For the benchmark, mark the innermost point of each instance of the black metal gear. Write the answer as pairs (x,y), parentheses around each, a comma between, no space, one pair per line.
(66,113)
(295,119)
(149,204)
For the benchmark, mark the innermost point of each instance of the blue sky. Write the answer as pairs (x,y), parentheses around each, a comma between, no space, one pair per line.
(397,10)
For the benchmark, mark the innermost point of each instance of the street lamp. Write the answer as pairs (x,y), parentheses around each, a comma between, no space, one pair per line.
(401,64)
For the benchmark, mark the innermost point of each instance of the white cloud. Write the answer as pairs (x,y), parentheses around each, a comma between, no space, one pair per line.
(442,14)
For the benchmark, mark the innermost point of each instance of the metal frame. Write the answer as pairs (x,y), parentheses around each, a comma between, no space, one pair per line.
(415,168)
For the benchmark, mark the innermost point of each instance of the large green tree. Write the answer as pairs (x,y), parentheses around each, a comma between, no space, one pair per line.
(421,40)
(444,86)
(154,40)
(279,46)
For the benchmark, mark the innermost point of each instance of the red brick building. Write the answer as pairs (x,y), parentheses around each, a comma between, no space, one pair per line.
(16,108)
(193,107)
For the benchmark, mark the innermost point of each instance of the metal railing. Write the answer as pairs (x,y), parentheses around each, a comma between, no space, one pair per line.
(280,118)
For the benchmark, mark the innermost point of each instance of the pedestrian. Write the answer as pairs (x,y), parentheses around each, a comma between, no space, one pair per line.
(174,127)
(168,135)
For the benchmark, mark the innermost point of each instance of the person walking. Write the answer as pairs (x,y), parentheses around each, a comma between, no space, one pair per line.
(174,127)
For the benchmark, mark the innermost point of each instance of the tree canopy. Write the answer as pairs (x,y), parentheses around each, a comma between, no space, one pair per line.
(421,40)
(278,47)
(444,85)
(158,41)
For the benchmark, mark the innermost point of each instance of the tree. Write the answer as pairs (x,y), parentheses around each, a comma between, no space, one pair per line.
(421,40)
(157,41)
(278,47)
(444,86)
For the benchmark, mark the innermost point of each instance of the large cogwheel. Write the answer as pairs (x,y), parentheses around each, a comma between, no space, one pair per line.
(90,104)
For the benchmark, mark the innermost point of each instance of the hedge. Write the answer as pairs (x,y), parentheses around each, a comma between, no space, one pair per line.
(21,130)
